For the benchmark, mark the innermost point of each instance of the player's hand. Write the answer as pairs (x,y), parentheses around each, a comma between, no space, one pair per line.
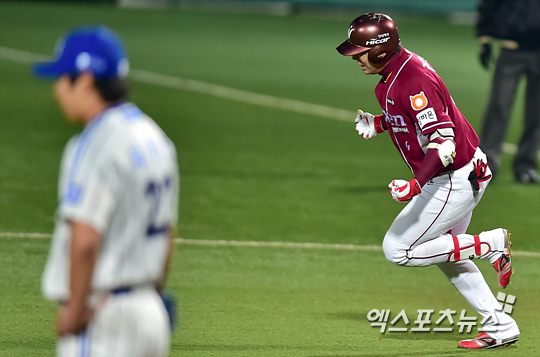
(403,191)
(485,54)
(72,322)
(73,318)
(368,125)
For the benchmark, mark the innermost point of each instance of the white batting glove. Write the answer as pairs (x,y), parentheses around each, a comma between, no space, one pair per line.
(403,191)
(368,125)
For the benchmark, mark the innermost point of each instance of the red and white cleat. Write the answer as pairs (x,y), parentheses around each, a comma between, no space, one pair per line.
(503,265)
(484,340)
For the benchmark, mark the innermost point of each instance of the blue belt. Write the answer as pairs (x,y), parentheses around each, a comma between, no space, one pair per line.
(121,290)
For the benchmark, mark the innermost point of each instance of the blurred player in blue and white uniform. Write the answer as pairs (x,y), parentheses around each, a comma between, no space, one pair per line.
(118,206)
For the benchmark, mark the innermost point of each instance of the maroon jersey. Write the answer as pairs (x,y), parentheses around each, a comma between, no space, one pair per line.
(415,103)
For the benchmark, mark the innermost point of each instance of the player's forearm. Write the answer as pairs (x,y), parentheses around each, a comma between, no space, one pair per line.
(440,153)
(171,235)
(85,243)
(74,316)
(431,167)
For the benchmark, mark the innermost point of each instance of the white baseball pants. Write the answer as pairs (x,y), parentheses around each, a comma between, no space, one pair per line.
(130,324)
(426,233)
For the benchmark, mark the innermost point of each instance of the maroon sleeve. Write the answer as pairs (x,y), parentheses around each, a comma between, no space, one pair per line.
(431,166)
(427,103)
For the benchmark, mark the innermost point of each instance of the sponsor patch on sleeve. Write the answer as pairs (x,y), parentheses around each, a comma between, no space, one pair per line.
(425,117)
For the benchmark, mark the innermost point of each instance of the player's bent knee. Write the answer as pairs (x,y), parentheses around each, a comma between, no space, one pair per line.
(393,253)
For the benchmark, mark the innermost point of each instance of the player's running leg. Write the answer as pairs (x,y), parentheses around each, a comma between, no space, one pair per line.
(419,237)
(499,327)
(492,245)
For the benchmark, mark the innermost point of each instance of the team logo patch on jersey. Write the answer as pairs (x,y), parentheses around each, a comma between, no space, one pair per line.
(418,101)
(425,117)
(74,193)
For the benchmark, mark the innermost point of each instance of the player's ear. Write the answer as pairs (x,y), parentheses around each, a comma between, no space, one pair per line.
(86,80)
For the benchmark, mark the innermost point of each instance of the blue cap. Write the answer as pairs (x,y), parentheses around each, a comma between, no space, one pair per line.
(94,49)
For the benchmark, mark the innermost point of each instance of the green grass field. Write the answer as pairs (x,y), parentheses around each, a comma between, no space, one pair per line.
(258,173)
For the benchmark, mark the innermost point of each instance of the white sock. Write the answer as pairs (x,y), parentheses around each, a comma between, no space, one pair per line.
(496,238)
(469,281)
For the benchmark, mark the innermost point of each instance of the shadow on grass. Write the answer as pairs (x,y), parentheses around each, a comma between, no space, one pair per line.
(235,348)
(400,354)
(428,336)
(254,348)
(455,352)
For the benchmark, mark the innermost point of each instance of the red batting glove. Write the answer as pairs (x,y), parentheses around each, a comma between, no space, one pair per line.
(403,191)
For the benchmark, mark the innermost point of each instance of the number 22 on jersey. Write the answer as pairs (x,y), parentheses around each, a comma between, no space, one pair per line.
(160,196)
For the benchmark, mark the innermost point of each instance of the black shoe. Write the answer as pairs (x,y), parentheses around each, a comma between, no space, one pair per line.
(529,176)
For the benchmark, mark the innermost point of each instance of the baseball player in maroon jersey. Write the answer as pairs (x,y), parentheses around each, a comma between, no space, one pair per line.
(450,174)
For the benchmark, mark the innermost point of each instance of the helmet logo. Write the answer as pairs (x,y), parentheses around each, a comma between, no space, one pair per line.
(382,38)
(418,101)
